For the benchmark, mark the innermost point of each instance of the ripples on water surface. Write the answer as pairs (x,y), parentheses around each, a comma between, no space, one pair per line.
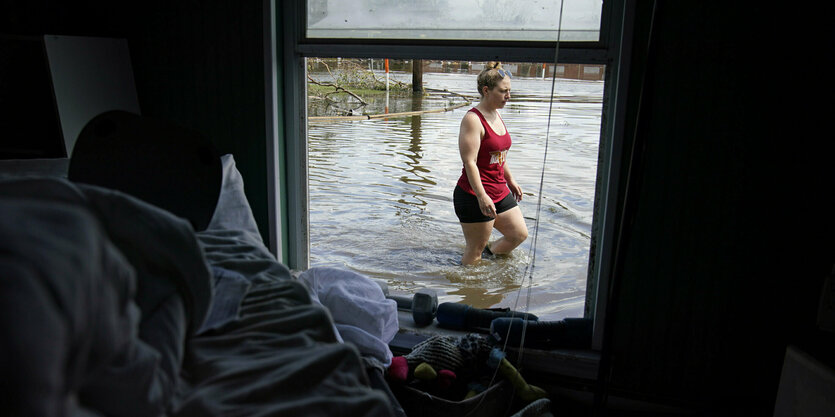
(381,197)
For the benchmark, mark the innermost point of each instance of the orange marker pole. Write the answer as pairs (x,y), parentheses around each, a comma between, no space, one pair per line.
(387,74)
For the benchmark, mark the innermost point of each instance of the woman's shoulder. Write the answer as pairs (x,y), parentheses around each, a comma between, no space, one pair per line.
(471,119)
(474,111)
(473,114)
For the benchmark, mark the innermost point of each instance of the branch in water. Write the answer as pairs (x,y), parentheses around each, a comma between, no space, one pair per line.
(337,89)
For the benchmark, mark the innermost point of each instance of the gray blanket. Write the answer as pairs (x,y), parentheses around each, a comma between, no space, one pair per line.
(280,356)
(110,306)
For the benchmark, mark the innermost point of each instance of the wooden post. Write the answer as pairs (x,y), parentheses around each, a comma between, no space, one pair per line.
(417,75)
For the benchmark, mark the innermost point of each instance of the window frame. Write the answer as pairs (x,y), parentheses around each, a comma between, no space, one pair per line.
(286,48)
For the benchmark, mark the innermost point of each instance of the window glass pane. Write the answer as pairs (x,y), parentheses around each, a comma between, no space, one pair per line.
(383,163)
(518,20)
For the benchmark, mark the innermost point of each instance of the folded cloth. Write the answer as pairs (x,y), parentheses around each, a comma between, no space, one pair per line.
(362,313)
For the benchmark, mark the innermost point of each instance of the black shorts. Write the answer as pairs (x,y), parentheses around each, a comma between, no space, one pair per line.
(468,211)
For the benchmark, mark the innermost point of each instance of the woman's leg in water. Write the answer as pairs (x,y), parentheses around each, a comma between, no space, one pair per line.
(476,235)
(511,224)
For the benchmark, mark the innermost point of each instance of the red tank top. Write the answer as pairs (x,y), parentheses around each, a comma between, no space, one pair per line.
(490,162)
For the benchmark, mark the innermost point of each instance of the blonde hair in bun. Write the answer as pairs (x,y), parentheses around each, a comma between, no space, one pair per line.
(489,77)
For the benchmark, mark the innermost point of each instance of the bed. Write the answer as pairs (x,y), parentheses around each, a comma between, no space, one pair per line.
(135,283)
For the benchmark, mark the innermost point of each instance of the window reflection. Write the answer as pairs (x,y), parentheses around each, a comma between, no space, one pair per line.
(519,20)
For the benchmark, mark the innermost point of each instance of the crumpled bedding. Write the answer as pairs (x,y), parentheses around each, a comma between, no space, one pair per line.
(53,337)
(363,314)
(281,355)
(111,306)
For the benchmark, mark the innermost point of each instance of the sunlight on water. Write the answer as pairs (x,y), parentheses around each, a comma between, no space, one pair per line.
(381,197)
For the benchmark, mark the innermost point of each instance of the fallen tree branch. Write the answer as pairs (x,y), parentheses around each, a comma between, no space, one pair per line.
(337,89)
(387,115)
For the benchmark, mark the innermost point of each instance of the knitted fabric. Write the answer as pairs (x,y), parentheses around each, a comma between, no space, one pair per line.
(448,352)
(440,352)
(474,348)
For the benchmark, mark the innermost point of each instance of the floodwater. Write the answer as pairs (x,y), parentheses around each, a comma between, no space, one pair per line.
(381,195)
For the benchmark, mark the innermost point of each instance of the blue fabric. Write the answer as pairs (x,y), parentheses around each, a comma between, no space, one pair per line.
(362,313)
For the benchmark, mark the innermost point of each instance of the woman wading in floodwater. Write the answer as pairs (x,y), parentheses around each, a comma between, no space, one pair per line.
(486,194)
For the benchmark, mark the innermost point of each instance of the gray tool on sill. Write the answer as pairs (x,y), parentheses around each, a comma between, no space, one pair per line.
(423,304)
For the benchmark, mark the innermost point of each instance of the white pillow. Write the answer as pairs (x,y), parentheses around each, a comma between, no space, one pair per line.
(233,211)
